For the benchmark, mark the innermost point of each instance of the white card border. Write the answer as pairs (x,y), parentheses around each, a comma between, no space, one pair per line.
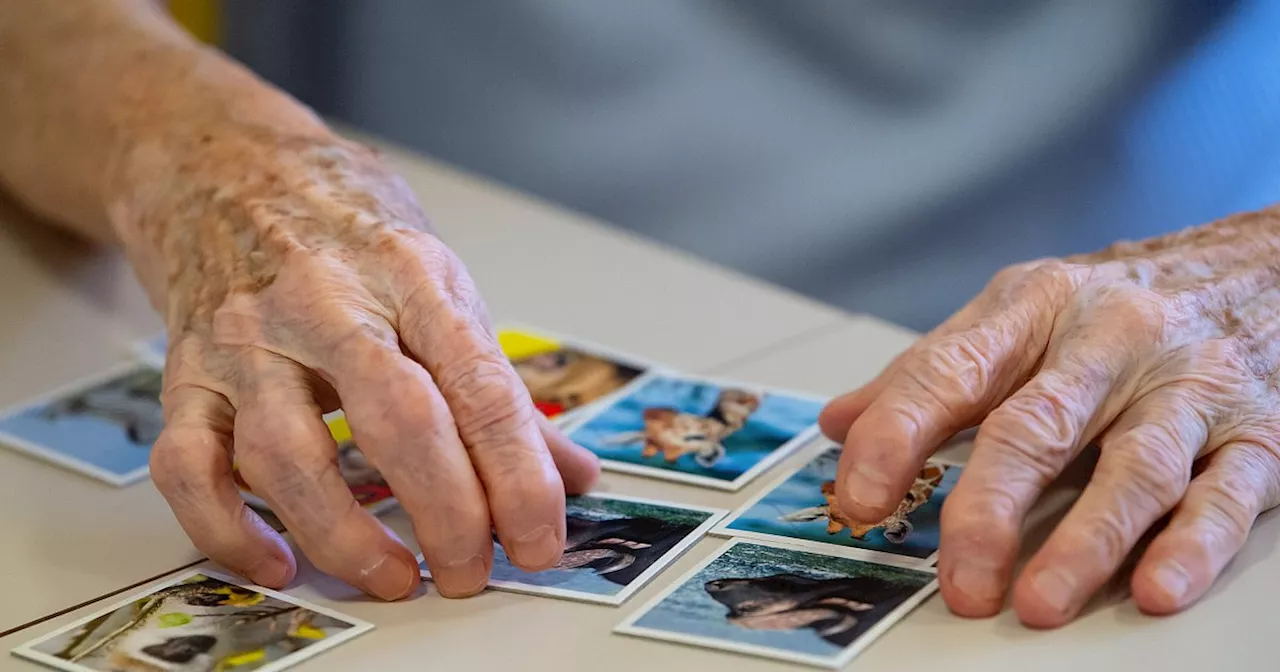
(645,577)
(358,626)
(780,453)
(628,625)
(56,458)
(821,445)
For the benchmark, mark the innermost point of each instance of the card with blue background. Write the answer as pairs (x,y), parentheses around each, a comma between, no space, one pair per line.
(102,427)
(613,546)
(705,432)
(801,509)
(785,603)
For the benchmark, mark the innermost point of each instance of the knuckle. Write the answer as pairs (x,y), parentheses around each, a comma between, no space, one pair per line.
(975,515)
(955,372)
(1149,462)
(1033,430)
(1053,273)
(171,467)
(1224,513)
(280,450)
(486,397)
(1137,312)
(1111,532)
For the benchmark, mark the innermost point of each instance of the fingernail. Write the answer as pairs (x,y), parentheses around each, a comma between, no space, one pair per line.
(1056,587)
(462,577)
(979,580)
(870,487)
(268,571)
(537,548)
(1173,578)
(389,578)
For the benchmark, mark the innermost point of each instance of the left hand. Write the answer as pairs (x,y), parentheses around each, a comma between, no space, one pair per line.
(1164,352)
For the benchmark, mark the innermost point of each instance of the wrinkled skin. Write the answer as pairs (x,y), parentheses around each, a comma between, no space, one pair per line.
(1163,353)
(297,273)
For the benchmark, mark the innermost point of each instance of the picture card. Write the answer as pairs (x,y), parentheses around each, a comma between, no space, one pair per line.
(614,545)
(801,509)
(103,426)
(198,622)
(367,486)
(778,602)
(712,433)
(565,375)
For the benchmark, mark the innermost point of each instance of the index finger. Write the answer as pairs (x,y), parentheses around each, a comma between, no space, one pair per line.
(444,327)
(935,392)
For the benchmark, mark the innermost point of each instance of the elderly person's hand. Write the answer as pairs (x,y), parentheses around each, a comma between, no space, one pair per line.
(294,272)
(1163,352)
(298,273)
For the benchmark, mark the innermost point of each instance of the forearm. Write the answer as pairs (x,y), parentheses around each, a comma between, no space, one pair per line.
(98,92)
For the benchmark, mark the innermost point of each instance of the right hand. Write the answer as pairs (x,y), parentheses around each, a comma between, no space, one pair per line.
(297,275)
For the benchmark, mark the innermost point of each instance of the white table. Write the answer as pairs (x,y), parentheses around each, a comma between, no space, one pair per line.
(68,540)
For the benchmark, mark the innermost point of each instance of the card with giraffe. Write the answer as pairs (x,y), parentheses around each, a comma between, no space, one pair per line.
(717,434)
(199,621)
(801,509)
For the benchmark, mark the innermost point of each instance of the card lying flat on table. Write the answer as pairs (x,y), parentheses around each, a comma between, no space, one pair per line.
(198,622)
(801,509)
(614,545)
(695,430)
(367,486)
(103,426)
(778,602)
(565,375)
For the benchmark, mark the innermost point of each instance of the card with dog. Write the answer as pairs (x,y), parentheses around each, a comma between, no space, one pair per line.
(103,426)
(712,433)
(779,602)
(565,375)
(200,621)
(614,545)
(366,484)
(801,509)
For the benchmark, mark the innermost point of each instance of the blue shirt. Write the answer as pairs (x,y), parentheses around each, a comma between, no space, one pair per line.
(886,157)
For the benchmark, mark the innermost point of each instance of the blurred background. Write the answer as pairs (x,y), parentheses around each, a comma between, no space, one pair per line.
(886,157)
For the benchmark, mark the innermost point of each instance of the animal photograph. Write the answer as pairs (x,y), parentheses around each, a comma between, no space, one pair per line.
(803,507)
(783,603)
(199,623)
(103,427)
(563,377)
(698,431)
(613,545)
